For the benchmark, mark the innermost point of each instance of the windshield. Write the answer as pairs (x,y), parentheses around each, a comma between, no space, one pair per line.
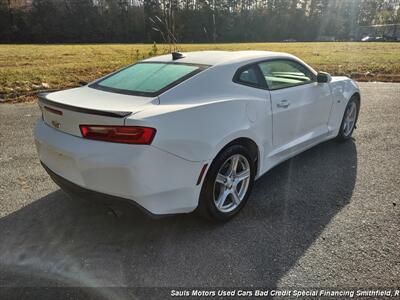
(147,78)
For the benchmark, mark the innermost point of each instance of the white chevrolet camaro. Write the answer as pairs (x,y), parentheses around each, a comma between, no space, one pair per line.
(188,131)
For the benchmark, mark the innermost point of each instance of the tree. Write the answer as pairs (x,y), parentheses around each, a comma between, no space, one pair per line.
(190,20)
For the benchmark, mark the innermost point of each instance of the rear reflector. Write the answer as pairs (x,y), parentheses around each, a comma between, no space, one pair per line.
(119,134)
(54,111)
(203,169)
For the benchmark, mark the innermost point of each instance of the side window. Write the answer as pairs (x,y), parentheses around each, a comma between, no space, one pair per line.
(285,73)
(249,76)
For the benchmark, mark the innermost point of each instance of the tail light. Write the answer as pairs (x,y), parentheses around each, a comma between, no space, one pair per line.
(119,134)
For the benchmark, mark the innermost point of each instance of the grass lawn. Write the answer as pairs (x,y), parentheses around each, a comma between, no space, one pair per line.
(25,69)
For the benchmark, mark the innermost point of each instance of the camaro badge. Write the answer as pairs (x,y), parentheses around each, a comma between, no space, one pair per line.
(55,124)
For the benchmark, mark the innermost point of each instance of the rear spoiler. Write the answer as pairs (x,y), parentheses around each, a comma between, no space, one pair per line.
(109,113)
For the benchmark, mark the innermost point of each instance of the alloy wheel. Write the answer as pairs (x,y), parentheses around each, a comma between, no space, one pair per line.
(231,183)
(349,118)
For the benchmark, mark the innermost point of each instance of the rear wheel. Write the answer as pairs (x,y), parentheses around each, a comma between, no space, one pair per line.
(349,120)
(228,184)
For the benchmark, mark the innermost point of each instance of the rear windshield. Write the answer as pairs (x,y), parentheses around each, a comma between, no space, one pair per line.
(147,79)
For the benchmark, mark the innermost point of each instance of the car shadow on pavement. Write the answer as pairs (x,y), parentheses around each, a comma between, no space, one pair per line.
(59,241)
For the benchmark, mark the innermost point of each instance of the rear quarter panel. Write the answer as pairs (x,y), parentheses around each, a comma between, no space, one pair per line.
(199,117)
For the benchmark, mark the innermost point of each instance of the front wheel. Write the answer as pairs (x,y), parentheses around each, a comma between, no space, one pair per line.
(349,120)
(228,184)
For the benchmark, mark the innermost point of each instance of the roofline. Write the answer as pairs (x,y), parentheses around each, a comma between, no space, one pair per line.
(231,57)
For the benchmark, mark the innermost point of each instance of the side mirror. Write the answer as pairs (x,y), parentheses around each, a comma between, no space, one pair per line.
(323,77)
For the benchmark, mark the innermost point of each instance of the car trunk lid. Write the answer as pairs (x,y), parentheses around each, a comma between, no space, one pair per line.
(66,110)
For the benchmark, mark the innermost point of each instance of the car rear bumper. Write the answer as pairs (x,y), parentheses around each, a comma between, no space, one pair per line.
(158,181)
(75,189)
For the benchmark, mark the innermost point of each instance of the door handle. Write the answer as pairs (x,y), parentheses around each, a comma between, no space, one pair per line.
(283,104)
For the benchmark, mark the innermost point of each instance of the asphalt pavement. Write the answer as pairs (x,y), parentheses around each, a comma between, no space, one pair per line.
(327,218)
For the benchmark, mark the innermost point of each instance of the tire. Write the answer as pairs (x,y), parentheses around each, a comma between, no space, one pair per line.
(211,203)
(346,132)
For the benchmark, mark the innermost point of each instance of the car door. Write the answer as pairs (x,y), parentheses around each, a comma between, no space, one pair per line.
(300,105)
